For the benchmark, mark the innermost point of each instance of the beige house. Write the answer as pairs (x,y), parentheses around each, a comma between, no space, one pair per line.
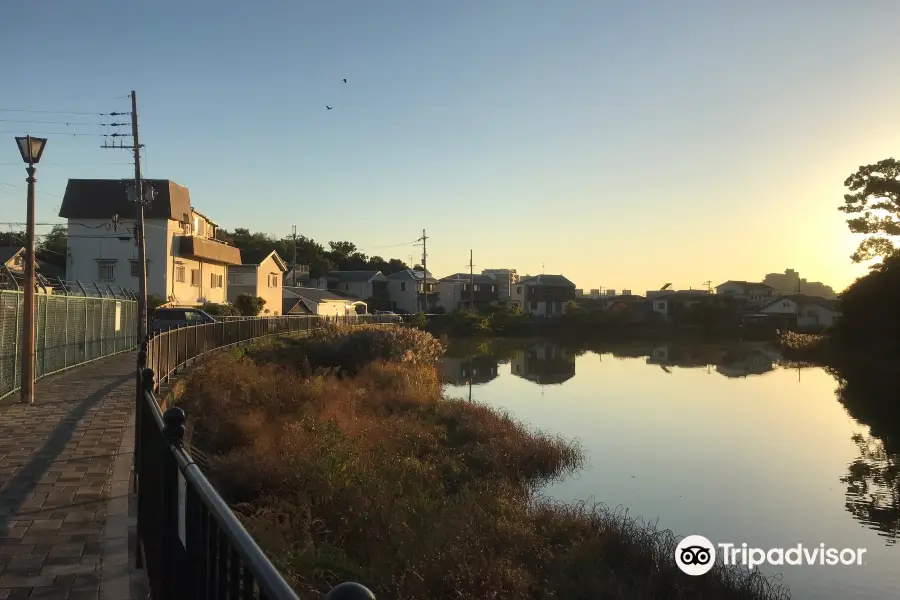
(260,275)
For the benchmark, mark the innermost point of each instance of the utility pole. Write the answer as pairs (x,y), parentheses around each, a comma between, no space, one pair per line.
(471,282)
(424,240)
(294,265)
(139,209)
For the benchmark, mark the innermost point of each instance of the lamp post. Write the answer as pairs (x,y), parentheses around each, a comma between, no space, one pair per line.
(31,149)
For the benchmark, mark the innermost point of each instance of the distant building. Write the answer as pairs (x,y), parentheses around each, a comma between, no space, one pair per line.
(506,278)
(406,287)
(543,295)
(807,312)
(626,292)
(595,293)
(790,282)
(610,292)
(753,293)
(579,293)
(260,275)
(457,291)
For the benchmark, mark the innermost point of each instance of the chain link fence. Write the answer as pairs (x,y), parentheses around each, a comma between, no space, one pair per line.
(69,330)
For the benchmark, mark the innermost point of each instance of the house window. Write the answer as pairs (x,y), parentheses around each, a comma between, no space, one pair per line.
(17,261)
(402,286)
(215,281)
(106,271)
(273,280)
(519,289)
(135,269)
(660,306)
(195,277)
(786,304)
(346,287)
(475,286)
(534,305)
(179,273)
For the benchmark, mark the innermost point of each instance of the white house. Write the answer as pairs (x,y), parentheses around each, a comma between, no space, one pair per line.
(542,295)
(313,301)
(405,291)
(260,275)
(809,311)
(750,292)
(186,264)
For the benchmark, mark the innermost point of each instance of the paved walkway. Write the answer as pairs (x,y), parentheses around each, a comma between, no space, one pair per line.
(65,465)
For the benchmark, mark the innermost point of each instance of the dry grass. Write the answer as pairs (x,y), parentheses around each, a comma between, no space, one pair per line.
(377,478)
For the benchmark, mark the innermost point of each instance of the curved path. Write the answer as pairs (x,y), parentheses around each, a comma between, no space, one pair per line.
(65,495)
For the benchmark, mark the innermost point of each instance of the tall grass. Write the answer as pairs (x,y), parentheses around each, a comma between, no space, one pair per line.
(371,475)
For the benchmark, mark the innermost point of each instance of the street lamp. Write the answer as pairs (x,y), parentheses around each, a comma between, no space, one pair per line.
(31,149)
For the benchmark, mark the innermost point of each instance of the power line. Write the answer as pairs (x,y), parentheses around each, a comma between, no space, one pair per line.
(52,112)
(72,133)
(66,123)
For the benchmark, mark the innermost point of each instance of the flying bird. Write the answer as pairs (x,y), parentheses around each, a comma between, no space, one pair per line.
(344,80)
(328,107)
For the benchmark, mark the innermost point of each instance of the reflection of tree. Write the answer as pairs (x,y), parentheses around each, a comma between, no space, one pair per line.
(476,370)
(873,479)
(744,363)
(873,487)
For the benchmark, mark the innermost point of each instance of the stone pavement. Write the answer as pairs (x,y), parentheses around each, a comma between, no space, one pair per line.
(65,465)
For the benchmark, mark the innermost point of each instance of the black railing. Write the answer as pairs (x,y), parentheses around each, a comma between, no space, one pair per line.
(189,541)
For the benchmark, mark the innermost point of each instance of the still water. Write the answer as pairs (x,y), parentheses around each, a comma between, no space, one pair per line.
(727,442)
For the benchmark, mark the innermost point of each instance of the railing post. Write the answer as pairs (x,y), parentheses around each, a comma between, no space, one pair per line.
(139,394)
(173,432)
(146,384)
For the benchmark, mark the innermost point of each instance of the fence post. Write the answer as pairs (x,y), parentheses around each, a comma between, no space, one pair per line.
(145,386)
(173,432)
(139,388)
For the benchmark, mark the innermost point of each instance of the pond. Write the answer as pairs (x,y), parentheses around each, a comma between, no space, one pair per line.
(726,441)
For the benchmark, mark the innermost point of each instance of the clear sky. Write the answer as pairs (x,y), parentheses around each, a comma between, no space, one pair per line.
(625,144)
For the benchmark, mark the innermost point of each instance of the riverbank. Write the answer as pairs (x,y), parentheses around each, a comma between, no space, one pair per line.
(344,459)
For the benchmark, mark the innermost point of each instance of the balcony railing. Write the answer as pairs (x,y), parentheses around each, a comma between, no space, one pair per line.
(208,249)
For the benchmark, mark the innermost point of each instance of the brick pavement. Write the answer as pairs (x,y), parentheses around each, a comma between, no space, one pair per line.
(65,464)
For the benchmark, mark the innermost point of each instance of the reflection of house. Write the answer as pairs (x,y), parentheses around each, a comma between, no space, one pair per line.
(742,364)
(405,290)
(803,311)
(544,363)
(260,275)
(313,301)
(456,291)
(476,370)
(543,295)
(753,294)
(685,357)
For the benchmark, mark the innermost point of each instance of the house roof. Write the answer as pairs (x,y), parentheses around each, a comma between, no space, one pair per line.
(410,274)
(258,257)
(356,276)
(548,280)
(464,278)
(312,294)
(103,198)
(803,299)
(7,252)
(750,284)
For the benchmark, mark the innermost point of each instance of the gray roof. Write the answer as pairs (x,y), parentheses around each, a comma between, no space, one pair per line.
(7,252)
(750,284)
(356,276)
(256,258)
(548,280)
(802,299)
(410,274)
(464,278)
(103,198)
(313,294)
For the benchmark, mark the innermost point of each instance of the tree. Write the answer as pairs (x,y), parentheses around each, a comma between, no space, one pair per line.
(875,188)
(12,238)
(248,304)
(53,246)
(869,318)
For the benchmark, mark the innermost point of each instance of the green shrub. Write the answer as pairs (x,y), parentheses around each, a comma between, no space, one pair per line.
(220,310)
(249,305)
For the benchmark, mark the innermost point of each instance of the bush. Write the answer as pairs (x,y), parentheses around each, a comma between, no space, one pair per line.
(220,310)
(377,478)
(249,305)
(154,302)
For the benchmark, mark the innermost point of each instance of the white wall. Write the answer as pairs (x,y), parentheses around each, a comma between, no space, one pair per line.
(808,315)
(449,294)
(332,308)
(90,239)
(404,299)
(357,289)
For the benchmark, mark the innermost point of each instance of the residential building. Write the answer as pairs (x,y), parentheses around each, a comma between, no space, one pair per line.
(365,285)
(669,303)
(506,279)
(806,312)
(260,275)
(595,293)
(749,292)
(13,258)
(313,301)
(790,282)
(543,295)
(579,293)
(297,276)
(186,264)
(457,291)
(406,289)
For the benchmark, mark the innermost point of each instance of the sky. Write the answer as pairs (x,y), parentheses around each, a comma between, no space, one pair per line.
(623,144)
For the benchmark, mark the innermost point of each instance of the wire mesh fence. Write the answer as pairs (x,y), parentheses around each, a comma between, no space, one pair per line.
(69,330)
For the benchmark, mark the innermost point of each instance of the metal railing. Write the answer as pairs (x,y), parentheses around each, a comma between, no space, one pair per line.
(190,542)
(69,331)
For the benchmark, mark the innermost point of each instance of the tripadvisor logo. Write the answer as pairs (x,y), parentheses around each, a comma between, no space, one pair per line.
(696,555)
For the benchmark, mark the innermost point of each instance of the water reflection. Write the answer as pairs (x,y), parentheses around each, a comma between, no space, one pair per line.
(544,363)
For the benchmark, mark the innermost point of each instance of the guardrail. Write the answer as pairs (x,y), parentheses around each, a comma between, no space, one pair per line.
(190,542)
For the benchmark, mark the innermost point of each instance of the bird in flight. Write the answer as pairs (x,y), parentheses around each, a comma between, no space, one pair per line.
(328,107)
(344,80)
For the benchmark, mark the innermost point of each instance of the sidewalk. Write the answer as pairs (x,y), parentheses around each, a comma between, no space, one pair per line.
(65,465)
